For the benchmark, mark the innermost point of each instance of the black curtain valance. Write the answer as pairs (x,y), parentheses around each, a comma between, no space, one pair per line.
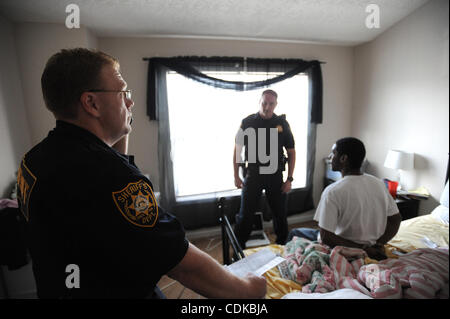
(193,66)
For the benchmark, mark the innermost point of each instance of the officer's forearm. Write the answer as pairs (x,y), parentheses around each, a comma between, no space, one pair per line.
(237,152)
(204,275)
(235,164)
(291,162)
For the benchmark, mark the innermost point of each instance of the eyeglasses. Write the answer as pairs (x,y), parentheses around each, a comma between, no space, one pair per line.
(127,93)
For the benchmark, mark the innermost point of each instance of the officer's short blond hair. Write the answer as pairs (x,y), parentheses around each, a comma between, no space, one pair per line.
(271,92)
(68,74)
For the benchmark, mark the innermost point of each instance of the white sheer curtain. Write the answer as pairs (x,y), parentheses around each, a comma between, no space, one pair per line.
(204,121)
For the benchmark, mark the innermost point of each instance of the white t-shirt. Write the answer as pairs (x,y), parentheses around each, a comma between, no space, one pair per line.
(356,208)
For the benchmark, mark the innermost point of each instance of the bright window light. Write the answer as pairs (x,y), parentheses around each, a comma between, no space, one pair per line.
(204,121)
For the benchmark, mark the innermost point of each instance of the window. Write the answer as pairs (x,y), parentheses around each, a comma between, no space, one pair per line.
(204,121)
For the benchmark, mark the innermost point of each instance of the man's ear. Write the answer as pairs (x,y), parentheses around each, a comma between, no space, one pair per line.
(89,104)
(343,158)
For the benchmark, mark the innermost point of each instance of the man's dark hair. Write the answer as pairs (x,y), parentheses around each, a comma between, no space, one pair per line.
(354,149)
(68,74)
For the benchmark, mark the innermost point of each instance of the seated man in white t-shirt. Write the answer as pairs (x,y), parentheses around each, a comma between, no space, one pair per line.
(356,211)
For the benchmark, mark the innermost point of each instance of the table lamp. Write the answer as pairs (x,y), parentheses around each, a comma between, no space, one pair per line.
(399,160)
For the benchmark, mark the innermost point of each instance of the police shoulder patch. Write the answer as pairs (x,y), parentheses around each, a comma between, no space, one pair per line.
(137,203)
(25,182)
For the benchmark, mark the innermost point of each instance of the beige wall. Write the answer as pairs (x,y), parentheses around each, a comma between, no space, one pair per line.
(36,42)
(401,98)
(337,75)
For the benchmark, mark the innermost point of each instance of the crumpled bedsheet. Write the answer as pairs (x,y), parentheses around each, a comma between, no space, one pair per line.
(319,269)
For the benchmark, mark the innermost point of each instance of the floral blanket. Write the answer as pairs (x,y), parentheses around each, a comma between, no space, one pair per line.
(419,274)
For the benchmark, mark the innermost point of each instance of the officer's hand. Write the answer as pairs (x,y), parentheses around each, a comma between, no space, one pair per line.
(286,187)
(238,182)
(256,286)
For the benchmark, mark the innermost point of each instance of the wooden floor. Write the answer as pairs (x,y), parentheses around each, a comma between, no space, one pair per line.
(212,246)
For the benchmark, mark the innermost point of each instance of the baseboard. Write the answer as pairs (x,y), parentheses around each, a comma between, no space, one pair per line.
(216,231)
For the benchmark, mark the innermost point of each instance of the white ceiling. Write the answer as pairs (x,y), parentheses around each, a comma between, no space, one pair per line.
(324,21)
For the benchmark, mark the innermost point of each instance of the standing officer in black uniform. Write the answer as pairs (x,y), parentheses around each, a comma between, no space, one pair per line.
(256,179)
(93,224)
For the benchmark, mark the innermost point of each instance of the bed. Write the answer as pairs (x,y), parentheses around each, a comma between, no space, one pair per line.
(417,264)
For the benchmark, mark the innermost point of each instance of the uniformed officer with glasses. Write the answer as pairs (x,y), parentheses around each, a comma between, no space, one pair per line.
(89,208)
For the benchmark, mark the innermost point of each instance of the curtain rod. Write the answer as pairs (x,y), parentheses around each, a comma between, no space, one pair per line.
(321,62)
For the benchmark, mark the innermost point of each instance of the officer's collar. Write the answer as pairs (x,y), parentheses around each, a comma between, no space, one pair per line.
(258,117)
(78,131)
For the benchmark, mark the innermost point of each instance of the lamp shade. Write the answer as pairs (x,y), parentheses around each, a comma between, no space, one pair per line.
(399,160)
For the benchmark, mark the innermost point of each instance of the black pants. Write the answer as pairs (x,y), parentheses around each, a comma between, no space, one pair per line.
(254,183)
(308,233)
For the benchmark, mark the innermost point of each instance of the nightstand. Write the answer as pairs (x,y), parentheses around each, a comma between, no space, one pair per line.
(408,207)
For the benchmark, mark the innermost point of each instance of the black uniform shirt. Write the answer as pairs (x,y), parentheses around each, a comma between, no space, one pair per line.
(88,205)
(285,137)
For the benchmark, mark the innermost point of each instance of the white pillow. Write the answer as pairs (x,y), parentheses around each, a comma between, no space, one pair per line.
(444,196)
(441,214)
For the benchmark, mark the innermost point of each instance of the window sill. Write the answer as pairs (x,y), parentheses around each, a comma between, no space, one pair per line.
(217,195)
(189,198)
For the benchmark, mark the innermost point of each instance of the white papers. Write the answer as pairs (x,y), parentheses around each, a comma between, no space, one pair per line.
(257,263)
(421,192)
(284,270)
